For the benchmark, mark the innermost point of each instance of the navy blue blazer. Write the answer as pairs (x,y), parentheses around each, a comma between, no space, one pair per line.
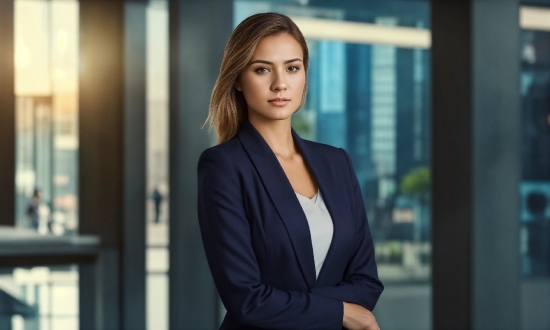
(258,243)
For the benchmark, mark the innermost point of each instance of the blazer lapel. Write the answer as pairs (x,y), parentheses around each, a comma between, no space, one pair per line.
(283,197)
(334,197)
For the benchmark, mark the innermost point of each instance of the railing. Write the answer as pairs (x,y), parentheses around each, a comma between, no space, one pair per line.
(20,247)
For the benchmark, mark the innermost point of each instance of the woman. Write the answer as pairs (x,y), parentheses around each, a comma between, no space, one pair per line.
(282,219)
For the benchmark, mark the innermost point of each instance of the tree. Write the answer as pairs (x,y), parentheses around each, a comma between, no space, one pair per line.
(416,184)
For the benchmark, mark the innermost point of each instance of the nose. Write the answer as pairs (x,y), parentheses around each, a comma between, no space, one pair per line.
(279,83)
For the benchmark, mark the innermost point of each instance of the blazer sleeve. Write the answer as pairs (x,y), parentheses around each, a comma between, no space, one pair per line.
(226,237)
(361,284)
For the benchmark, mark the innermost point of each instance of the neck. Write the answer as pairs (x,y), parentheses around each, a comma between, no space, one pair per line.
(277,134)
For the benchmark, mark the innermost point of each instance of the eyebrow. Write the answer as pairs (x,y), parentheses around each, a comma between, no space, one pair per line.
(271,63)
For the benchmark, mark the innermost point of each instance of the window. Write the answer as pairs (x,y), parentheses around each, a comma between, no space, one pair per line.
(535,177)
(46,91)
(369,93)
(157,231)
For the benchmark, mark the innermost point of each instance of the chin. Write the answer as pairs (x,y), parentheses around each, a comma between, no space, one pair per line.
(278,115)
(282,116)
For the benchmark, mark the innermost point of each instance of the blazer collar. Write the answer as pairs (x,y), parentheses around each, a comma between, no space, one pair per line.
(334,196)
(284,198)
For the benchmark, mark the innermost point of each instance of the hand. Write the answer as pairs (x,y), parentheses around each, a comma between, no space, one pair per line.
(357,317)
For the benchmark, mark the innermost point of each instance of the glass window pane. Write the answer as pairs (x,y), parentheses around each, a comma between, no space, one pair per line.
(44,295)
(157,301)
(46,90)
(157,253)
(535,184)
(40,297)
(373,99)
(69,323)
(64,300)
(157,260)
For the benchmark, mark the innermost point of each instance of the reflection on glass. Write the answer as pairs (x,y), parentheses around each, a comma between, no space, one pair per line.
(44,298)
(373,100)
(535,184)
(369,92)
(157,253)
(46,90)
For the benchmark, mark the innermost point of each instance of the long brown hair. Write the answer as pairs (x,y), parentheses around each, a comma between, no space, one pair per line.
(228,109)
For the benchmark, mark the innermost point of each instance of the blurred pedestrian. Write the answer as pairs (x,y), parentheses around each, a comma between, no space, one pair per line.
(32,209)
(157,198)
(38,213)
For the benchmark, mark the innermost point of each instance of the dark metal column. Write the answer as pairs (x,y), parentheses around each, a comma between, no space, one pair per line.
(497,163)
(476,164)
(112,161)
(101,157)
(135,108)
(198,33)
(451,165)
(7,114)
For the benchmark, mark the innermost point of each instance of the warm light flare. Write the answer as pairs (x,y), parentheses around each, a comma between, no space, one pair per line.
(23,56)
(62,41)
(534,18)
(531,18)
(364,33)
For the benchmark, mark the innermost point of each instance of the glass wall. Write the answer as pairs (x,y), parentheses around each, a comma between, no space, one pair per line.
(46,35)
(43,298)
(369,93)
(535,184)
(157,254)
(372,99)
(46,90)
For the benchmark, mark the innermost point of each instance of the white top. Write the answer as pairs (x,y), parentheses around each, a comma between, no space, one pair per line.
(320,227)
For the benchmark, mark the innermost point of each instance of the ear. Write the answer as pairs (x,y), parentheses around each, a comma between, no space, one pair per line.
(238,86)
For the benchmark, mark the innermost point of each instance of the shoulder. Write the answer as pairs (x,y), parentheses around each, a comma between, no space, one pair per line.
(337,161)
(330,154)
(225,153)
(321,147)
(216,167)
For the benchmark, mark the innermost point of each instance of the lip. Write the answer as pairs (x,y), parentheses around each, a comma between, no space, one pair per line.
(279,101)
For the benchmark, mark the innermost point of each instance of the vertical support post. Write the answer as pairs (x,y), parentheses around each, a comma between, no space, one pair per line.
(112,161)
(497,164)
(88,296)
(195,59)
(101,155)
(476,164)
(135,92)
(7,113)
(451,165)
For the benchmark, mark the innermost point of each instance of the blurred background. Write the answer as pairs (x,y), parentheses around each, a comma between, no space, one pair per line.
(443,106)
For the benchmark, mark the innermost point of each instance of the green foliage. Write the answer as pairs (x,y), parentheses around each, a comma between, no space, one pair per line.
(390,252)
(417,183)
(301,125)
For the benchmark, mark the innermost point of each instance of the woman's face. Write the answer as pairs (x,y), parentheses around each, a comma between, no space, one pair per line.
(273,82)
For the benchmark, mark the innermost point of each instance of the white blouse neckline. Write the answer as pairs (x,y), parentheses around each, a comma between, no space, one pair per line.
(320,226)
(312,199)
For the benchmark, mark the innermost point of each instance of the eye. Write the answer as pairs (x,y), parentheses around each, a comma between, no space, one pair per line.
(261,70)
(293,68)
